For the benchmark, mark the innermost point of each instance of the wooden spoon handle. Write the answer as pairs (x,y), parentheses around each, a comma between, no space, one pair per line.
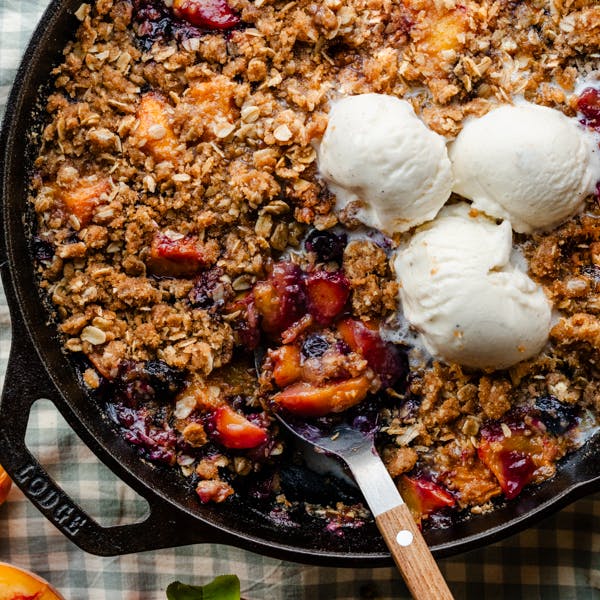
(411,554)
(397,526)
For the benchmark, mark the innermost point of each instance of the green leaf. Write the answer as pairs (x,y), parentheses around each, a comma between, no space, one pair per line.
(223,587)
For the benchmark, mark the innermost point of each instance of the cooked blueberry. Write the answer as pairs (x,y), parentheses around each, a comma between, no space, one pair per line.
(165,380)
(210,291)
(440,519)
(248,334)
(326,245)
(158,20)
(132,385)
(557,416)
(261,488)
(120,414)
(153,20)
(139,382)
(342,347)
(42,249)
(410,407)
(366,420)
(155,442)
(314,346)
(150,9)
(72,238)
(592,271)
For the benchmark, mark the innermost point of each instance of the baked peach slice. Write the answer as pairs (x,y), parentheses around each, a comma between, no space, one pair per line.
(423,496)
(280,300)
(287,365)
(385,358)
(209,14)
(16,584)
(233,430)
(5,485)
(214,100)
(154,129)
(437,29)
(309,400)
(327,294)
(471,482)
(82,199)
(176,255)
(516,460)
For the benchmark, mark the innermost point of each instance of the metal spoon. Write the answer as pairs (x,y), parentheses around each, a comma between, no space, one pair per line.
(352,440)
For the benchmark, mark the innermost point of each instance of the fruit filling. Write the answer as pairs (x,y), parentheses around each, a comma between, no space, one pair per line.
(224,226)
(157,20)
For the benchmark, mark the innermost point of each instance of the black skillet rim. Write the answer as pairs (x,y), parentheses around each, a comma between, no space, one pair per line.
(169,524)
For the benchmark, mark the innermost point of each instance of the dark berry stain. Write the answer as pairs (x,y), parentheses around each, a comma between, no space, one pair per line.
(327,245)
(42,250)
(557,416)
(314,346)
(210,291)
(155,21)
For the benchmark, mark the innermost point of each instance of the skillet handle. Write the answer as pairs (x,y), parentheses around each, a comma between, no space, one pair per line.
(26,382)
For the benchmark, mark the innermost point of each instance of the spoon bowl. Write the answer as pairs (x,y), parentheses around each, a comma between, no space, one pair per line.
(350,436)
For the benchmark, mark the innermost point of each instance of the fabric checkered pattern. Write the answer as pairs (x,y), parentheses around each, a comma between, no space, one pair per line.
(559,559)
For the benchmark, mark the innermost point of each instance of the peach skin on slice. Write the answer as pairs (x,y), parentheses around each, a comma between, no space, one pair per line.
(234,431)
(423,496)
(515,459)
(307,400)
(178,256)
(17,584)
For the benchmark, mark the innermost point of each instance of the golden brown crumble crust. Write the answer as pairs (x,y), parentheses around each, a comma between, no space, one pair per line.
(214,138)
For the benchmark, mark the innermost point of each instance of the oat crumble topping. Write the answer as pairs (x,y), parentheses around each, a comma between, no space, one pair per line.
(178,168)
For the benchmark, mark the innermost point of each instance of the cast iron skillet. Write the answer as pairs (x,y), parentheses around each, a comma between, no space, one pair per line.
(38,369)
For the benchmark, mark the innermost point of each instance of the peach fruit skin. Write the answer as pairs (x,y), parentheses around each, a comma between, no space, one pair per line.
(17,584)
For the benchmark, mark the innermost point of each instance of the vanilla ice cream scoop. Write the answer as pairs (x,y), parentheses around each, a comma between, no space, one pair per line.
(472,304)
(526,163)
(377,153)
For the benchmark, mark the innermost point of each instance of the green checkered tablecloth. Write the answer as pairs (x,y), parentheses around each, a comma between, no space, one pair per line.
(558,559)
